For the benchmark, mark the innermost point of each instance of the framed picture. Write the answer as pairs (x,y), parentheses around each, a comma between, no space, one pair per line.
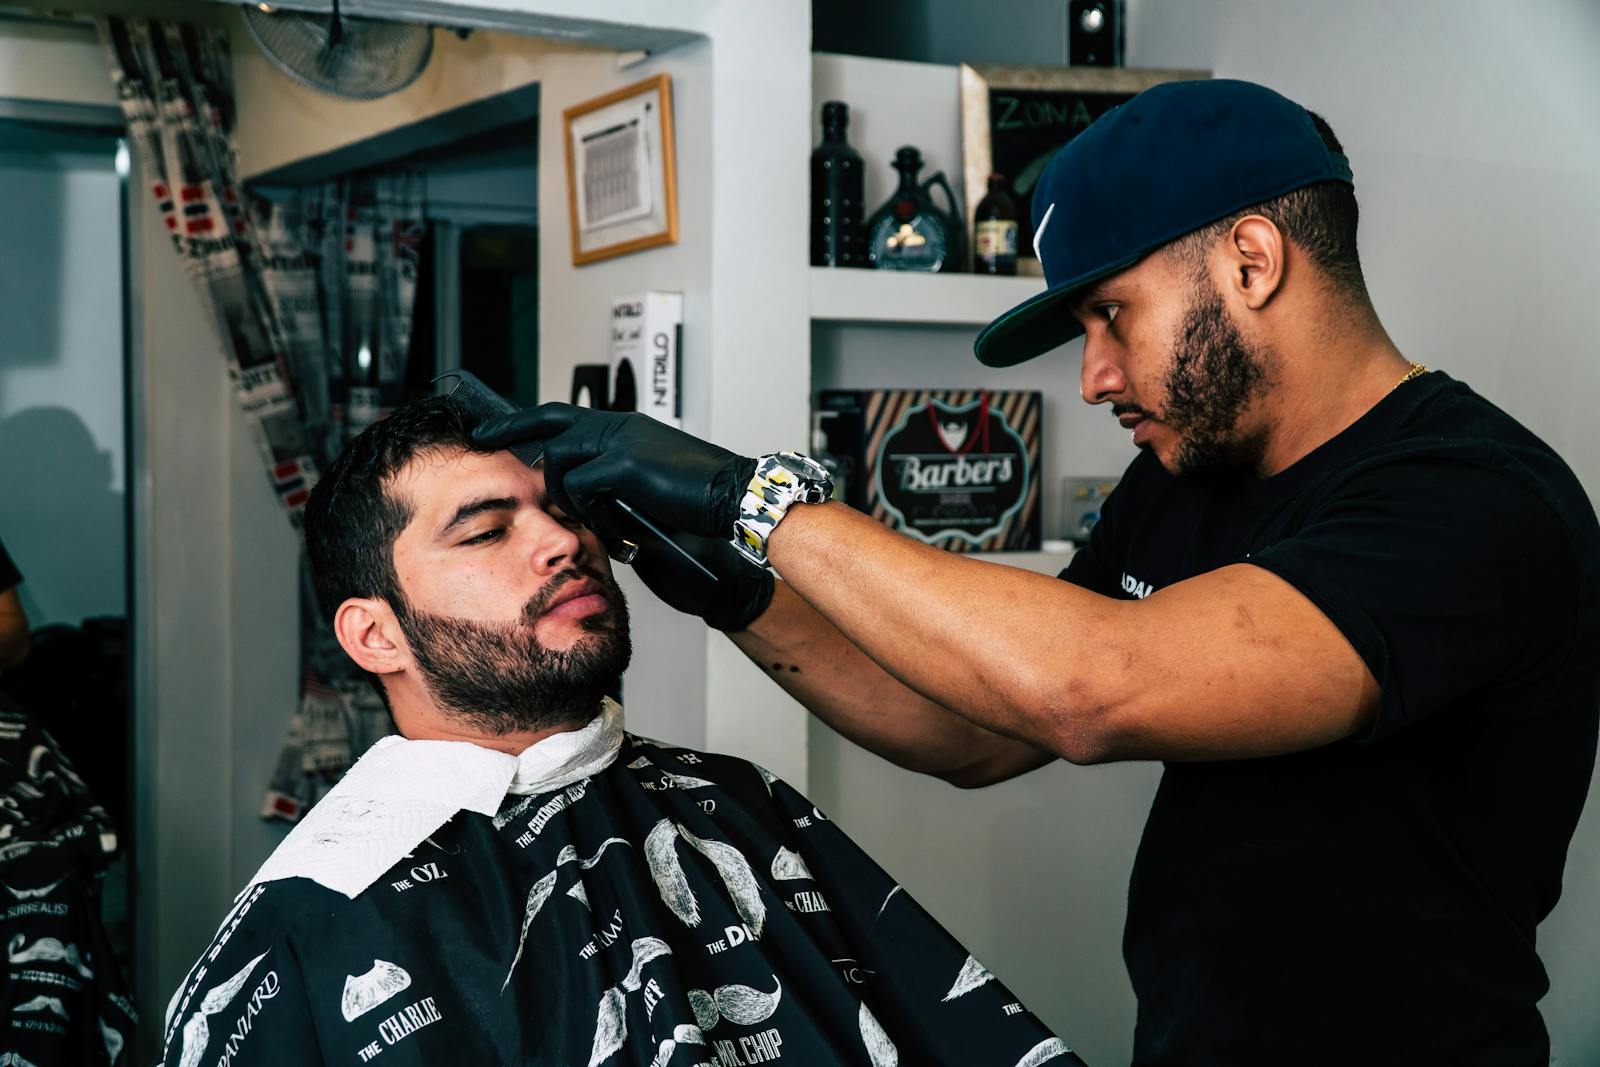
(622,183)
(1013,119)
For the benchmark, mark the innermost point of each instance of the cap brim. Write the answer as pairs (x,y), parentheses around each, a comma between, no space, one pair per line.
(1039,323)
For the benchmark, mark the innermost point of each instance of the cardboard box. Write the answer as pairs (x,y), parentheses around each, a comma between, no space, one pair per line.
(957,469)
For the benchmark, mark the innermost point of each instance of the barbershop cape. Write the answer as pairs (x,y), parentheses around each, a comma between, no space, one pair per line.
(601,899)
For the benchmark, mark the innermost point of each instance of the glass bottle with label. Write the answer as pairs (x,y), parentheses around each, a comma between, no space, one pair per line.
(837,237)
(995,231)
(909,232)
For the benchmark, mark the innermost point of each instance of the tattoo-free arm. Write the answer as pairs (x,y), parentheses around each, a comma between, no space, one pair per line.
(1229,664)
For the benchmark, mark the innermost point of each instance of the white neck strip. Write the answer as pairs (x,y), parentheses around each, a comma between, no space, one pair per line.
(401,791)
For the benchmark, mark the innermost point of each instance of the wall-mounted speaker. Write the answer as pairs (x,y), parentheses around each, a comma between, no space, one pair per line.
(1095,33)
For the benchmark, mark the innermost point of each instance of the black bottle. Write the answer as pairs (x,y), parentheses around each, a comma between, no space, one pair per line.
(994,231)
(910,232)
(837,239)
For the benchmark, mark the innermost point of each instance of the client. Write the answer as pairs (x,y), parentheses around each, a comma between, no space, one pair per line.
(516,880)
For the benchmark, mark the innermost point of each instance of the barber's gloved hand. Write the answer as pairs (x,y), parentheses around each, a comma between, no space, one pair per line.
(737,598)
(596,456)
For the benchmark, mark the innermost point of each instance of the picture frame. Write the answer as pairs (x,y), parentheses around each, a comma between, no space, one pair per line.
(1013,119)
(622,183)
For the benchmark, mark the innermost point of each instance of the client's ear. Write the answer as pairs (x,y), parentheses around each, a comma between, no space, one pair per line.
(370,634)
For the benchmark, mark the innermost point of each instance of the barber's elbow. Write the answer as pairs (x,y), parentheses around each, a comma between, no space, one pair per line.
(1079,725)
(972,776)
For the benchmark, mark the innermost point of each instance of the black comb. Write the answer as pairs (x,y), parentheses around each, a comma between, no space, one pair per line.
(478,400)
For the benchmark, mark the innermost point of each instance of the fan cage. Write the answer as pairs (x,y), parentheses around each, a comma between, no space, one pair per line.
(372,59)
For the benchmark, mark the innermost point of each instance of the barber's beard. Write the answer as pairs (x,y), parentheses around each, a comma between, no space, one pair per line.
(1215,375)
(498,678)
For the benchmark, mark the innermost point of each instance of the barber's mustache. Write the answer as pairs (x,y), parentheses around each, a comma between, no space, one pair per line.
(539,603)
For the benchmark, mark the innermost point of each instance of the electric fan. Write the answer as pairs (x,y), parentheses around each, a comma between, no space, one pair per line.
(352,58)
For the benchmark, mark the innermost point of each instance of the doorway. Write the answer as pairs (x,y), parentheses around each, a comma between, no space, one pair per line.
(65,502)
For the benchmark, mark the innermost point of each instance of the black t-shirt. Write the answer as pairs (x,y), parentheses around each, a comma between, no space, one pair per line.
(1374,900)
(10,577)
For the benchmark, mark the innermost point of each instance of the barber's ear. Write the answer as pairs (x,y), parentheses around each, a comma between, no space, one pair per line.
(1255,252)
(370,634)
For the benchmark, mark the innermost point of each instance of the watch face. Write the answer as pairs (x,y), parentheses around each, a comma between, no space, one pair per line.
(802,467)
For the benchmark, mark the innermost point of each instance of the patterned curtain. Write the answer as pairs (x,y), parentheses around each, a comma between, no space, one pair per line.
(311,294)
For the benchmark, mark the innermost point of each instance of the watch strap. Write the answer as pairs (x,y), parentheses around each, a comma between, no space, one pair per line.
(780,479)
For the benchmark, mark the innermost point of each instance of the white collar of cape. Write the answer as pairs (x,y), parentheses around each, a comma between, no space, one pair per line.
(401,791)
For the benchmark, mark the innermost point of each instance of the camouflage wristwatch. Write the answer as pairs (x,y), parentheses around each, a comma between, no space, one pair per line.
(781,479)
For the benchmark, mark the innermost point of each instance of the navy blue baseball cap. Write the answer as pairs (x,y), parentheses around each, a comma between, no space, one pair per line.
(1171,160)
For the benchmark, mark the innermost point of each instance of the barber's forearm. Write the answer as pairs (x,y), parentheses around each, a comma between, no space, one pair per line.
(1000,646)
(836,681)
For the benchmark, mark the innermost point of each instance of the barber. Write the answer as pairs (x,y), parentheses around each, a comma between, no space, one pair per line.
(1366,656)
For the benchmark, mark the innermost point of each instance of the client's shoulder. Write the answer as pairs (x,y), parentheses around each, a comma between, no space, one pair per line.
(394,798)
(641,753)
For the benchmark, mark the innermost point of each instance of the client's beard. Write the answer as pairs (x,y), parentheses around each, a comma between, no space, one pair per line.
(499,679)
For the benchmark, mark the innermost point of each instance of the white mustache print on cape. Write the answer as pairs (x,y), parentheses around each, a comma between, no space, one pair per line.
(536,897)
(569,854)
(113,1042)
(739,1004)
(661,853)
(880,1050)
(788,865)
(197,1031)
(973,974)
(611,1023)
(43,1003)
(363,992)
(34,894)
(684,1034)
(1044,1051)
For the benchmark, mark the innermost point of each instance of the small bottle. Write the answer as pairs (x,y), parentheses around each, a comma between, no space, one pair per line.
(837,237)
(909,232)
(994,245)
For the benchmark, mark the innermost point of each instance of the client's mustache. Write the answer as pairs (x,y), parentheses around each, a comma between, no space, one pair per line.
(539,603)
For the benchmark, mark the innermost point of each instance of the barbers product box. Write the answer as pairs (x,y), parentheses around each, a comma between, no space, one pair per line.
(646,336)
(955,468)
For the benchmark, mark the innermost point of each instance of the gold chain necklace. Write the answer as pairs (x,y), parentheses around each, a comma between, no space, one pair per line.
(1417,370)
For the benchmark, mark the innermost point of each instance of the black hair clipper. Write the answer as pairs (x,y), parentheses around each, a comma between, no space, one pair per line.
(476,399)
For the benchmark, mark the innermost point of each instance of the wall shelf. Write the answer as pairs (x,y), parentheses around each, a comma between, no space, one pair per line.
(889,296)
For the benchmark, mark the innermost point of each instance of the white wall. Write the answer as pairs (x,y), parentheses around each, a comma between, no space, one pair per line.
(61,401)
(665,688)
(56,64)
(282,122)
(740,102)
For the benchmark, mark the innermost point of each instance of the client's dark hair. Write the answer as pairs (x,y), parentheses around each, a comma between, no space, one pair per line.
(352,518)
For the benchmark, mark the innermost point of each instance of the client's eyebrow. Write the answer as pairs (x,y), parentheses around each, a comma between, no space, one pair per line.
(472,509)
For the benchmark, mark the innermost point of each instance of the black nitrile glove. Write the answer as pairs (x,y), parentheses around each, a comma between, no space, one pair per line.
(592,457)
(737,598)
